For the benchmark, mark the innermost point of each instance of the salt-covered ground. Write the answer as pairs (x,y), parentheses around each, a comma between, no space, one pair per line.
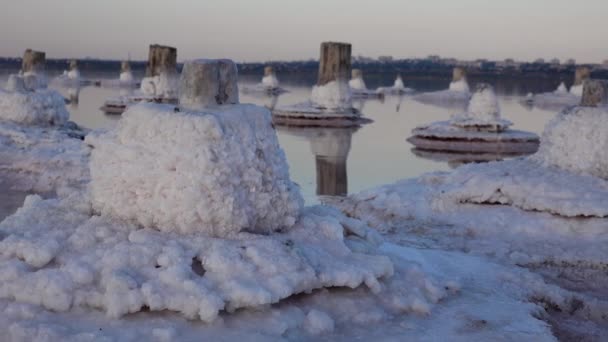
(405,262)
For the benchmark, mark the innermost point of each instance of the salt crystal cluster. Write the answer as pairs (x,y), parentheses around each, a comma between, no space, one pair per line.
(357,82)
(216,172)
(483,111)
(163,86)
(40,107)
(577,140)
(270,81)
(335,95)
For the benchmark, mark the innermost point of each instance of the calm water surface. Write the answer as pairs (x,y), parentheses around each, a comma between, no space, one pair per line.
(335,161)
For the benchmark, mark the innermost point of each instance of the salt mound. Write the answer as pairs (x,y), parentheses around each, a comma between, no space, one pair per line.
(577,140)
(561,89)
(357,84)
(165,85)
(399,83)
(216,173)
(335,95)
(54,254)
(483,109)
(459,86)
(40,107)
(270,81)
(126,77)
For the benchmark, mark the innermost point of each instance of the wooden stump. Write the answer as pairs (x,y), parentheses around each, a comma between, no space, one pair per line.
(268,71)
(334,62)
(73,65)
(356,73)
(208,82)
(458,74)
(581,74)
(161,59)
(595,93)
(33,61)
(125,66)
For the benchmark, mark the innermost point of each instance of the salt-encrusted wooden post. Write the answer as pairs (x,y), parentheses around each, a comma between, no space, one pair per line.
(33,61)
(595,93)
(458,74)
(334,62)
(268,71)
(581,74)
(208,82)
(73,65)
(125,66)
(356,73)
(161,59)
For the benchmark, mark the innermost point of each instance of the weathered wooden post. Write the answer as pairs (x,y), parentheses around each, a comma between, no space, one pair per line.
(33,62)
(161,59)
(356,73)
(268,71)
(458,74)
(595,93)
(581,74)
(73,65)
(332,91)
(208,82)
(334,63)
(33,69)
(125,66)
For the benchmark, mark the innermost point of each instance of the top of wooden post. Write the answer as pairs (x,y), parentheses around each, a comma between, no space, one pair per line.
(595,93)
(356,73)
(581,74)
(458,74)
(208,82)
(125,66)
(334,62)
(268,70)
(33,61)
(73,65)
(161,59)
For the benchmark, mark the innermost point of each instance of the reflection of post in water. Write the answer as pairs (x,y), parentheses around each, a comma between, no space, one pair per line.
(331,176)
(74,96)
(331,147)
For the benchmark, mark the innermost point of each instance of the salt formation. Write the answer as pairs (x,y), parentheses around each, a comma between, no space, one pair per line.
(269,87)
(561,97)
(479,129)
(358,88)
(39,149)
(237,141)
(33,69)
(159,85)
(126,76)
(72,77)
(39,107)
(398,88)
(331,100)
(456,95)
(197,215)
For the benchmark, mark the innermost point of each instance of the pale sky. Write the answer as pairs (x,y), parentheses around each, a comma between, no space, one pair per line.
(259,30)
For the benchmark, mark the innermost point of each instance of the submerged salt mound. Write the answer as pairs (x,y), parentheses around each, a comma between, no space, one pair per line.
(217,172)
(56,255)
(576,140)
(41,107)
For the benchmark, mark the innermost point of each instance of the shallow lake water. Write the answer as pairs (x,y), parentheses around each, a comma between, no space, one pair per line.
(338,161)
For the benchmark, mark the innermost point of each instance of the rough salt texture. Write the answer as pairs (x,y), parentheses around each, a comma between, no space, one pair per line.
(216,172)
(483,111)
(576,140)
(42,159)
(333,95)
(163,86)
(56,255)
(357,83)
(41,107)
